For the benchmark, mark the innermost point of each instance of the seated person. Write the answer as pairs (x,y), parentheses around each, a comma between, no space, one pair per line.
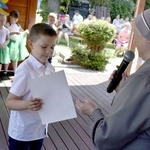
(116,20)
(66,30)
(77,19)
(90,17)
(120,25)
(108,19)
(123,39)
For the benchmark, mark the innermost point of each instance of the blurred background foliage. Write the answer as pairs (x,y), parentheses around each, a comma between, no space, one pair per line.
(125,8)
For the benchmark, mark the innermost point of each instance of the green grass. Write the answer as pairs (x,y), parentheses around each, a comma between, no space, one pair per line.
(109,49)
(72,42)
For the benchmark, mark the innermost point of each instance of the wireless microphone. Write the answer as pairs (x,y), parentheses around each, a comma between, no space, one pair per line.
(128,57)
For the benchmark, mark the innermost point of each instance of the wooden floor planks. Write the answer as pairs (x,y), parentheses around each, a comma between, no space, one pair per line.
(73,134)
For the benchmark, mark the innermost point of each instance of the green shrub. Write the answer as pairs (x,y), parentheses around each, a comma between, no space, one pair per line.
(44,10)
(124,8)
(96,33)
(44,14)
(89,59)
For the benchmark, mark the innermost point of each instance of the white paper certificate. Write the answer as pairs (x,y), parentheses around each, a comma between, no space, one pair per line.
(54,91)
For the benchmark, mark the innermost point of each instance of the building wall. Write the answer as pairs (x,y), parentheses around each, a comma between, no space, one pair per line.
(27,9)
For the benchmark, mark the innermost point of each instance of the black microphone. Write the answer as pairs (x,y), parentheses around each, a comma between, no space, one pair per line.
(128,57)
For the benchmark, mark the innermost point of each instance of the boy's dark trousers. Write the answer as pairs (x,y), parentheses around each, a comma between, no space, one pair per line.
(25,145)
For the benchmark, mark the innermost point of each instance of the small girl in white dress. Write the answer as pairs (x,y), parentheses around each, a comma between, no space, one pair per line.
(4,39)
(17,44)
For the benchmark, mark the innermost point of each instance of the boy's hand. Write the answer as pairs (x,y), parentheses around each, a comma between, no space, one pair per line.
(34,104)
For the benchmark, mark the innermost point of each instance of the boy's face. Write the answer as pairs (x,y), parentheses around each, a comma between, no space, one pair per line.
(51,20)
(43,48)
(66,17)
(77,13)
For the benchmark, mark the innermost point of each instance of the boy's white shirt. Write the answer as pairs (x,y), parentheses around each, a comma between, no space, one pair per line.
(25,125)
(77,19)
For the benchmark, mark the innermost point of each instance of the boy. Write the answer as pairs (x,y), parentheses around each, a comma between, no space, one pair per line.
(52,17)
(26,131)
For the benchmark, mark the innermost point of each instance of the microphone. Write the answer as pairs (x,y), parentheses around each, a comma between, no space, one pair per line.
(128,57)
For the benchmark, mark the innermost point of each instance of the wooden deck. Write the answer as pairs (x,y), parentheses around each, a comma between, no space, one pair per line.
(73,134)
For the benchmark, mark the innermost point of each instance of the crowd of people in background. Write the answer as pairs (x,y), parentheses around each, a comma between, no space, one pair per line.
(123,30)
(66,27)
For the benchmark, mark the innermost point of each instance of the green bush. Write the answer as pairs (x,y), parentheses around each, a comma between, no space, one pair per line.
(44,10)
(124,8)
(89,59)
(44,14)
(96,33)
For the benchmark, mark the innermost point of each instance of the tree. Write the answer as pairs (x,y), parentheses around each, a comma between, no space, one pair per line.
(54,5)
(147,5)
(124,8)
(64,5)
(95,3)
(44,10)
(57,5)
(48,6)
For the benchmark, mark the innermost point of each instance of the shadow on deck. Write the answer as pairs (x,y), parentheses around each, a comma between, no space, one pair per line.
(73,134)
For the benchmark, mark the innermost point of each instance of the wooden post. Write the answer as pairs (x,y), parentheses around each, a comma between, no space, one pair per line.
(140,5)
(31,13)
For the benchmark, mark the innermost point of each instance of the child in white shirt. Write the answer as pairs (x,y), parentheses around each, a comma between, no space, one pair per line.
(26,132)
(4,39)
(17,44)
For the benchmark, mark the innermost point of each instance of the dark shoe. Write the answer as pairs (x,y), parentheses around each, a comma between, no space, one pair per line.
(5,72)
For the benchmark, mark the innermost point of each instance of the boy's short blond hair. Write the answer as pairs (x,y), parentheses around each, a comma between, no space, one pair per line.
(54,15)
(67,16)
